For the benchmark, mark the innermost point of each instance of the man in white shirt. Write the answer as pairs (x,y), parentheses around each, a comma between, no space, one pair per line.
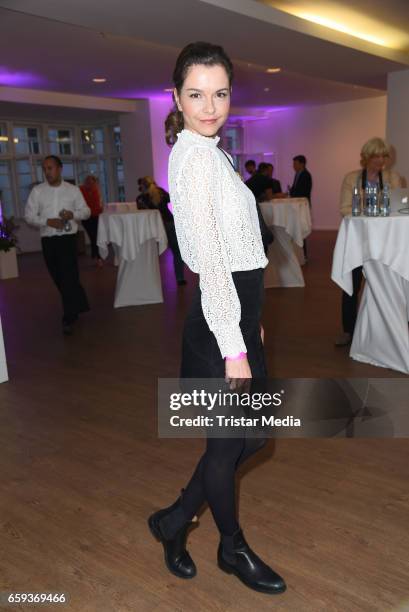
(56,206)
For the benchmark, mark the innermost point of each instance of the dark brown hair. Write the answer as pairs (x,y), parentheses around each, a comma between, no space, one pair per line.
(198,53)
(56,159)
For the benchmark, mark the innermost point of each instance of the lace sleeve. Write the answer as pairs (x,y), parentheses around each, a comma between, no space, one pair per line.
(199,187)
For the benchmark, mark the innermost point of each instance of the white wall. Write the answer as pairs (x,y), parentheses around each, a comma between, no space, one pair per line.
(136,141)
(159,109)
(330,136)
(397,129)
(145,151)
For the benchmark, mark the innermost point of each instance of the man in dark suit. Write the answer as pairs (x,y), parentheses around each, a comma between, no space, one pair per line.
(250,167)
(260,184)
(275,184)
(302,184)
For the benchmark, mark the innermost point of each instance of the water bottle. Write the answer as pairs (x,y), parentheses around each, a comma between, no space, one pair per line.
(368,201)
(385,207)
(67,223)
(371,201)
(356,202)
(375,202)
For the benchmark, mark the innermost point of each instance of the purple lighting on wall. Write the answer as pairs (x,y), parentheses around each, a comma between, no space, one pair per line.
(13,78)
(257,113)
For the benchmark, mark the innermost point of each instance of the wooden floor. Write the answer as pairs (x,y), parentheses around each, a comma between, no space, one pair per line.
(81,466)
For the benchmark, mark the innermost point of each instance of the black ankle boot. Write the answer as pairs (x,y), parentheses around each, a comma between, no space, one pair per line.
(235,556)
(169,526)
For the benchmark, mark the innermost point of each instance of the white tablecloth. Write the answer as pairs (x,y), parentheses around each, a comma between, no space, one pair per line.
(3,364)
(381,245)
(290,221)
(137,236)
(121,207)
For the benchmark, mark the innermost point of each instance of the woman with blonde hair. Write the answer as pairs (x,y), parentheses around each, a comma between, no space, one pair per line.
(374,172)
(154,197)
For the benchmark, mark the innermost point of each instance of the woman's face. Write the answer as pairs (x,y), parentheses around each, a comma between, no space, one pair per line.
(376,163)
(204,99)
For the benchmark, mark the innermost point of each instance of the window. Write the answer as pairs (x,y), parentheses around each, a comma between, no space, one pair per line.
(27,140)
(60,141)
(96,168)
(92,141)
(6,194)
(4,140)
(84,150)
(120,178)
(116,131)
(68,172)
(232,138)
(24,179)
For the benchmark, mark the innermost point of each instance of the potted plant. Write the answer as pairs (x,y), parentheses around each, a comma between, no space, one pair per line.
(8,243)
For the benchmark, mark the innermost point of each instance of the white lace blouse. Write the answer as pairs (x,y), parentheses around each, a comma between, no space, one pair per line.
(217,229)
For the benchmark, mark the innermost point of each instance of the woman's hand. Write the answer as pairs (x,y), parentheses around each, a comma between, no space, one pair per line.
(238,373)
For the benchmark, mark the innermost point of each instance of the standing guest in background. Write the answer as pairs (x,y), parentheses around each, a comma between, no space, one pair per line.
(302,185)
(154,197)
(92,195)
(374,155)
(263,185)
(56,207)
(275,184)
(250,167)
(260,185)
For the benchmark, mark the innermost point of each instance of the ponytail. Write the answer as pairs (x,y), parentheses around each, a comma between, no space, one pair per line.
(173,125)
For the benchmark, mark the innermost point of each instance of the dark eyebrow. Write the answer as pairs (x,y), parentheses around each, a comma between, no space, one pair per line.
(194,89)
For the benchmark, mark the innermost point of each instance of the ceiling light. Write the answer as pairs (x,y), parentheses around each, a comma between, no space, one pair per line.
(266,89)
(341,27)
(99,80)
(168,89)
(273,70)
(15,140)
(369,26)
(4,138)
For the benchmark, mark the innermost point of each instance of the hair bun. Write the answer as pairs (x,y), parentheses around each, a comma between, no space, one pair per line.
(173,125)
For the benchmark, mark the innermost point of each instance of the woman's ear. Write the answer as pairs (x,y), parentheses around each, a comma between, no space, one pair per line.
(176,99)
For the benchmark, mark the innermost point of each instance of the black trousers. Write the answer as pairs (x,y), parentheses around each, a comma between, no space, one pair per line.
(91,227)
(350,302)
(60,254)
(213,480)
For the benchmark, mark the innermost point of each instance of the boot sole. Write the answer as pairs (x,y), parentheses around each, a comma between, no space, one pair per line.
(155,531)
(230,570)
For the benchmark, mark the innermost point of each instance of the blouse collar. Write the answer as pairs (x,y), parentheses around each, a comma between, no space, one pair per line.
(211,141)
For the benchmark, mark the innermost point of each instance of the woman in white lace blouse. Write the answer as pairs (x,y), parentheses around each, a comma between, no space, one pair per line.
(219,238)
